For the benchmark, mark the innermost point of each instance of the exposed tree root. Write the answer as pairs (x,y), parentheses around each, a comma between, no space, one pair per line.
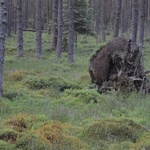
(118,65)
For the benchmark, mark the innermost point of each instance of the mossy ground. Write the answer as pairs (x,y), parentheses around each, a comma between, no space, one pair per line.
(49,104)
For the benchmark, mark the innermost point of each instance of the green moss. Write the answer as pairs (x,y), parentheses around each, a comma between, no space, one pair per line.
(17,75)
(142,144)
(125,145)
(12,94)
(78,97)
(84,79)
(9,135)
(58,137)
(35,82)
(30,142)
(5,145)
(70,143)
(106,131)
(24,122)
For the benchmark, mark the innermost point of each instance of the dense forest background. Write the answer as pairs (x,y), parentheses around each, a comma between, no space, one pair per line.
(90,17)
(47,101)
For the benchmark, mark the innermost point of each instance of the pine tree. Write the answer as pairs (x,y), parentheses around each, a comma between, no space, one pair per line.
(82,16)
(60,28)
(71,33)
(19,29)
(55,24)
(103,16)
(39,28)
(134,22)
(117,18)
(3,22)
(141,23)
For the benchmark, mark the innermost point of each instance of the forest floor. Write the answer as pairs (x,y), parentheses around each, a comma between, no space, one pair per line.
(49,104)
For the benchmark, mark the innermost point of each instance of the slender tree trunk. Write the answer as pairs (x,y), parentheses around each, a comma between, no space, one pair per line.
(19,29)
(123,18)
(10,17)
(149,20)
(14,16)
(60,28)
(117,19)
(55,24)
(26,14)
(112,13)
(141,23)
(49,17)
(34,13)
(103,16)
(134,22)
(39,28)
(71,33)
(3,22)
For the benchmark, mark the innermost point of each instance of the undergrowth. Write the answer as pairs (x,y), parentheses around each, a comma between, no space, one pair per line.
(51,105)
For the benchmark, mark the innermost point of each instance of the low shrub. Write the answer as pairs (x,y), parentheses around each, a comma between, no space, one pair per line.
(30,141)
(12,94)
(35,82)
(106,131)
(17,75)
(57,136)
(6,145)
(142,144)
(9,135)
(125,145)
(73,97)
(24,122)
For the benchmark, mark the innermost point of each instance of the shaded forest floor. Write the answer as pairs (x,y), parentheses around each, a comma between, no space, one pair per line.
(49,104)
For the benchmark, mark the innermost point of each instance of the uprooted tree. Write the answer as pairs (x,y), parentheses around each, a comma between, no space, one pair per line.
(118,65)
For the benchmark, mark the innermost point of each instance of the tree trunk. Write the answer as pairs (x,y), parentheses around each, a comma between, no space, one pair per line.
(55,24)
(141,23)
(14,16)
(3,22)
(103,16)
(71,33)
(117,18)
(19,29)
(10,17)
(123,18)
(149,20)
(134,22)
(38,28)
(60,28)
(26,14)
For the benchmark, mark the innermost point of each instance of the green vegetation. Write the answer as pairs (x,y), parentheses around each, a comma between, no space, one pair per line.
(51,105)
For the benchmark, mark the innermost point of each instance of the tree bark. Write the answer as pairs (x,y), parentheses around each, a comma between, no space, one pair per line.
(38,28)
(103,16)
(117,18)
(55,24)
(14,17)
(19,29)
(60,28)
(71,33)
(141,23)
(123,18)
(26,14)
(3,22)
(10,17)
(134,22)
(149,20)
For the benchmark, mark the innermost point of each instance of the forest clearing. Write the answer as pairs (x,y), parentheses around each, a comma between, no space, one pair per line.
(46,96)
(47,100)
